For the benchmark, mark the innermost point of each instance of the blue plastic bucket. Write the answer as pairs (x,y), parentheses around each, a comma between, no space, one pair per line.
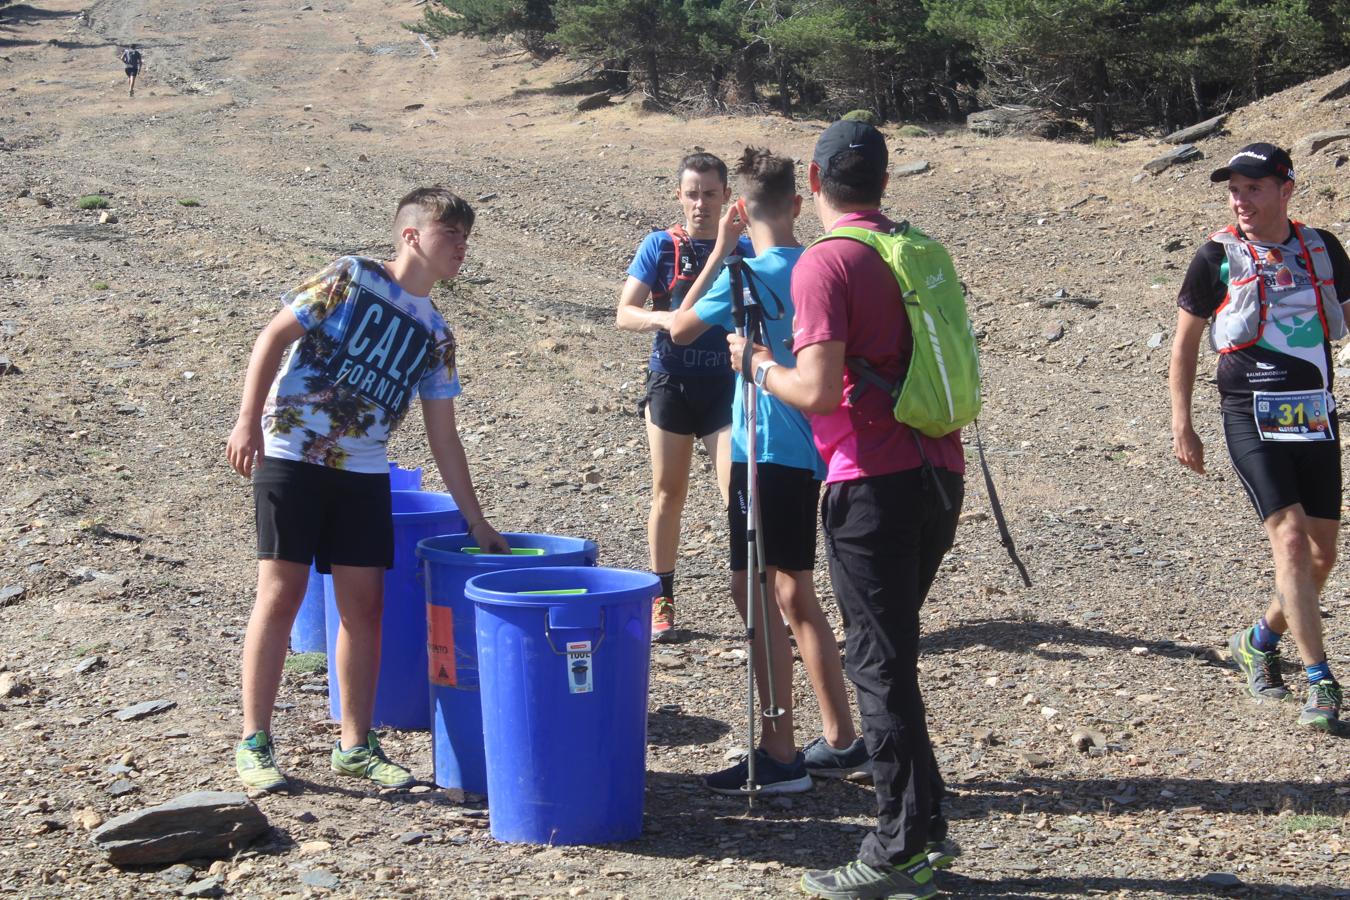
(564,684)
(401,696)
(449,560)
(309,633)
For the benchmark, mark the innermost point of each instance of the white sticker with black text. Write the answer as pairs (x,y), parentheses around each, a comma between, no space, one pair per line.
(579,667)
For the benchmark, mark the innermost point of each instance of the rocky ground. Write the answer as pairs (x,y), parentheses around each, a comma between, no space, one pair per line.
(271,135)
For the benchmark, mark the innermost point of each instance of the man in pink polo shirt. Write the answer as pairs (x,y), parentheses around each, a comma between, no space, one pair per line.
(892,499)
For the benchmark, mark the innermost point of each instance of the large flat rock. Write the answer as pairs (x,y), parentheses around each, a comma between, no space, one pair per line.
(1197,131)
(202,824)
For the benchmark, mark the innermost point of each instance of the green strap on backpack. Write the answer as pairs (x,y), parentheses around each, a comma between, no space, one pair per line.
(940,391)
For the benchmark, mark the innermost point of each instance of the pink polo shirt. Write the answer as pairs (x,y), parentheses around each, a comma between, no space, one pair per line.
(844,291)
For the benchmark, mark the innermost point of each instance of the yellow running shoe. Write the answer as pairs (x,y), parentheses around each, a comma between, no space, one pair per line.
(255,765)
(368,761)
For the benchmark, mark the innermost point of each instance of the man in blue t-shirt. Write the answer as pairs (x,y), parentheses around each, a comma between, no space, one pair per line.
(689,388)
(789,471)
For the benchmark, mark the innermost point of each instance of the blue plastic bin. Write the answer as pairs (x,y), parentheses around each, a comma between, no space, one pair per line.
(309,633)
(564,685)
(452,650)
(401,696)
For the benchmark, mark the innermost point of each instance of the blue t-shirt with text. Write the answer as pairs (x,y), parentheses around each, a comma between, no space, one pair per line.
(654,266)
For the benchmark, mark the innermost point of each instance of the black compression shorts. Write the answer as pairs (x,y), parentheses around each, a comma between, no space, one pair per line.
(310,513)
(689,404)
(788,499)
(1277,474)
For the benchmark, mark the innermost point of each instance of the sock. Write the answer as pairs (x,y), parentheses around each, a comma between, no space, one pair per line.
(667,583)
(1319,672)
(1263,637)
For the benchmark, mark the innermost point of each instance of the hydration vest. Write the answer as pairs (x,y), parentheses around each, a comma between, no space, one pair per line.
(685,271)
(1240,320)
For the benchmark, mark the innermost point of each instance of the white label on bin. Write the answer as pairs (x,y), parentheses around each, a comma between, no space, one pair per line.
(579,667)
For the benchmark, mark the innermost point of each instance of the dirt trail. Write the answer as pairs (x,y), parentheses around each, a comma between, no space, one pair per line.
(294,126)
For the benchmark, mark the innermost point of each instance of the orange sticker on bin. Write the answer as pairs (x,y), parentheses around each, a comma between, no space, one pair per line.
(441,645)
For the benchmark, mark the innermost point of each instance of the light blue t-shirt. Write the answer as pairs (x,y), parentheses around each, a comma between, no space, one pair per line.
(369,348)
(782,434)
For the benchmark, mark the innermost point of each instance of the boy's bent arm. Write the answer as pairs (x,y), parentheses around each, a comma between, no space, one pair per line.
(246,440)
(633,315)
(448,450)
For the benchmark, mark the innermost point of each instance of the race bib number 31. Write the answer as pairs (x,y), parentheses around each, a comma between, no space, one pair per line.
(1293,415)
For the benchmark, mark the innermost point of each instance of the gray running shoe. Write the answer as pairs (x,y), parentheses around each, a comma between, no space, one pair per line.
(1323,709)
(772,776)
(823,761)
(858,881)
(1264,681)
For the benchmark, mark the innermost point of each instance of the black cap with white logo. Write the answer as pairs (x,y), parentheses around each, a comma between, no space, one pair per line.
(845,135)
(1257,161)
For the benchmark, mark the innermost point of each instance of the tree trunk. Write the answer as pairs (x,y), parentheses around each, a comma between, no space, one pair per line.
(1198,103)
(784,89)
(653,74)
(1101,90)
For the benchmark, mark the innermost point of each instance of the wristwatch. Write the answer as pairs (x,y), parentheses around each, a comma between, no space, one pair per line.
(762,370)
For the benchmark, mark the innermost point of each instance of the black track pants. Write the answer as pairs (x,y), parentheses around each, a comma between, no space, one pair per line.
(886,537)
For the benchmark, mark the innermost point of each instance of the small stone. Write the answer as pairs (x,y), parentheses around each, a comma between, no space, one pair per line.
(307,817)
(11,685)
(1084,739)
(320,878)
(1053,332)
(88,818)
(983,737)
(593,101)
(1049,712)
(1222,880)
(207,887)
(386,873)
(107,218)
(735,754)
(121,787)
(915,168)
(1155,340)
(11,594)
(204,824)
(1139,651)
(486,197)
(309,848)
(420,789)
(1184,153)
(178,874)
(144,710)
(1035,760)
(413,838)
(308,107)
(88,664)
(592,478)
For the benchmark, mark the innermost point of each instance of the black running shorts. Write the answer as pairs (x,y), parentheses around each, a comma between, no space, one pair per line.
(1277,474)
(131,71)
(689,404)
(788,499)
(309,513)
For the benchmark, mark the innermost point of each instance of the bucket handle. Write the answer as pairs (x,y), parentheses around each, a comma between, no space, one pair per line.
(561,630)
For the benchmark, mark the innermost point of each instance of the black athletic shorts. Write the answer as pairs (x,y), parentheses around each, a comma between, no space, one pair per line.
(131,71)
(1277,474)
(788,499)
(309,513)
(689,404)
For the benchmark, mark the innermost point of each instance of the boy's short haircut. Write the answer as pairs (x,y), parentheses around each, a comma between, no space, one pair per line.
(433,204)
(768,182)
(853,180)
(703,162)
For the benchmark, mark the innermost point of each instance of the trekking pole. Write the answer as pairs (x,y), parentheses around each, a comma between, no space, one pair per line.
(746,314)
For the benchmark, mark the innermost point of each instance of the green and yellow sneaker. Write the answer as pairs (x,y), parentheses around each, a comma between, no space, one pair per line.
(1264,681)
(912,880)
(1323,709)
(369,761)
(255,765)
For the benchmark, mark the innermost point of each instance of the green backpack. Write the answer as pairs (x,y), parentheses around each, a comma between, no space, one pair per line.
(940,391)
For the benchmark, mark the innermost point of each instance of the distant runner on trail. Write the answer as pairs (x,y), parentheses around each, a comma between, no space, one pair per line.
(892,499)
(788,490)
(134,62)
(1271,291)
(330,376)
(689,389)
